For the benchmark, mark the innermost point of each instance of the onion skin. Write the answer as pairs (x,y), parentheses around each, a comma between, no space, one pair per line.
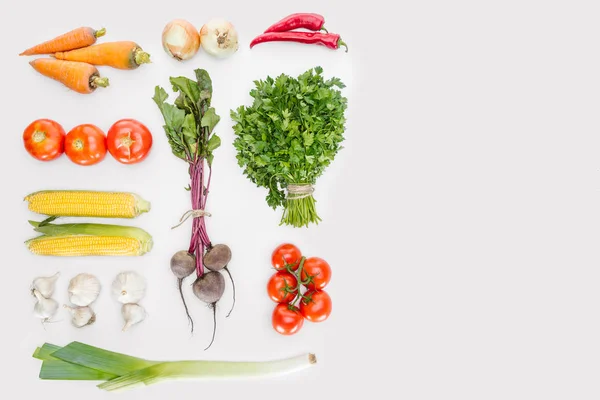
(219,38)
(180,39)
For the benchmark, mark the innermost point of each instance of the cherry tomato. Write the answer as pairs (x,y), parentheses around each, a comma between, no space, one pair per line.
(85,144)
(285,320)
(277,284)
(318,308)
(129,141)
(44,139)
(319,270)
(286,254)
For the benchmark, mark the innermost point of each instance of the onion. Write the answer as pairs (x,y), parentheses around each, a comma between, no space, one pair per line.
(180,39)
(219,38)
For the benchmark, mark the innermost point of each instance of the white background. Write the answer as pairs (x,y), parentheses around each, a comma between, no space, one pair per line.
(461,219)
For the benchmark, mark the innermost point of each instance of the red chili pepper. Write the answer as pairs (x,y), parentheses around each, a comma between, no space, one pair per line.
(330,40)
(314,22)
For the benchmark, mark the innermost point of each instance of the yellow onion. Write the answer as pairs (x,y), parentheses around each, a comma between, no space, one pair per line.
(219,38)
(180,39)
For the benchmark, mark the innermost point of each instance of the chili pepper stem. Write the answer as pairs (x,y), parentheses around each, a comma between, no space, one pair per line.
(342,43)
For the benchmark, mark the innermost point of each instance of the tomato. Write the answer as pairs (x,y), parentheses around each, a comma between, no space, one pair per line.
(286,254)
(277,284)
(129,141)
(319,270)
(85,144)
(318,308)
(285,320)
(44,139)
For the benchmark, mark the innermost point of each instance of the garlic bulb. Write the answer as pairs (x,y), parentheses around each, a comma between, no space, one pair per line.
(81,316)
(45,285)
(219,38)
(45,308)
(132,314)
(129,287)
(84,289)
(180,39)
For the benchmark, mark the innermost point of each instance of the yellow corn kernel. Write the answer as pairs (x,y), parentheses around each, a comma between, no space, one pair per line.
(73,203)
(83,245)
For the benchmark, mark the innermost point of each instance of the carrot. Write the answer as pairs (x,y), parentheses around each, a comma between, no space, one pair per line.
(81,77)
(123,55)
(77,38)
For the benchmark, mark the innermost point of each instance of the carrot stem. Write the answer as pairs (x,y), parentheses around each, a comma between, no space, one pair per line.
(100,32)
(99,82)
(141,57)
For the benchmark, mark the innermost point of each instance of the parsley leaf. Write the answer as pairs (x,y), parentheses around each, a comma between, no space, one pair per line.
(291,132)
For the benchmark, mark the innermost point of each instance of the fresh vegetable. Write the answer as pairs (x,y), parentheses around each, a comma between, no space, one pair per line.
(180,39)
(78,361)
(216,259)
(84,289)
(286,319)
(285,287)
(87,203)
(129,141)
(286,255)
(316,272)
(132,314)
(209,288)
(287,138)
(122,55)
(189,125)
(329,40)
(282,287)
(85,144)
(80,77)
(45,285)
(219,38)
(311,21)
(89,240)
(45,308)
(315,305)
(81,316)
(75,39)
(44,139)
(128,287)
(183,264)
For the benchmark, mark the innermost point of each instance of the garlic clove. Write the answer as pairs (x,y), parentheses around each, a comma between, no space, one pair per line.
(81,316)
(129,287)
(45,285)
(84,289)
(44,308)
(132,314)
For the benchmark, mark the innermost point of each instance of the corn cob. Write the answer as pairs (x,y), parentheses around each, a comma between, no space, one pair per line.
(89,240)
(81,203)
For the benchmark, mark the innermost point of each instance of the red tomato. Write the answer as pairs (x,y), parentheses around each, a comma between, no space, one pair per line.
(319,270)
(44,139)
(129,141)
(318,308)
(277,284)
(286,254)
(85,144)
(285,320)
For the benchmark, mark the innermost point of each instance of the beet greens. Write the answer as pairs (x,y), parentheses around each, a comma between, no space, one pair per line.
(189,124)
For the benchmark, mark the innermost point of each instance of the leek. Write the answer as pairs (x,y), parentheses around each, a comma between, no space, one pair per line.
(78,361)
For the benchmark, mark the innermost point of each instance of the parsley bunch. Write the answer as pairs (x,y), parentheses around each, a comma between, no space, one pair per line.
(287,138)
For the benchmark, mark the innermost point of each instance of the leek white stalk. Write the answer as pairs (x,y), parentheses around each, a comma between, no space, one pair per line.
(76,361)
(180,39)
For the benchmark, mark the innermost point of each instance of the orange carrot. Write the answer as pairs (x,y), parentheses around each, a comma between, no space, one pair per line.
(77,38)
(123,55)
(81,77)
